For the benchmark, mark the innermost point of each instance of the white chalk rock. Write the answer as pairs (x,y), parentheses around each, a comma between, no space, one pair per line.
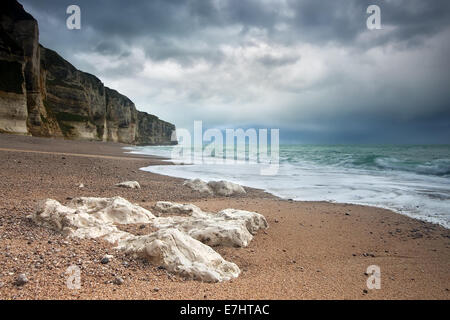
(173,246)
(129,184)
(220,188)
(179,253)
(226,188)
(198,185)
(253,221)
(165,207)
(112,210)
(229,227)
(69,221)
(90,217)
(216,231)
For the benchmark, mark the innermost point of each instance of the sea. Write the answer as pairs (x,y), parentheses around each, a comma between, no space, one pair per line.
(410,179)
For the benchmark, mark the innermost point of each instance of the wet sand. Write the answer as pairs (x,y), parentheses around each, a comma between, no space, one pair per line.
(312,250)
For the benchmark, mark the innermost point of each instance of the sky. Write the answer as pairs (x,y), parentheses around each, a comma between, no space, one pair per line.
(310,68)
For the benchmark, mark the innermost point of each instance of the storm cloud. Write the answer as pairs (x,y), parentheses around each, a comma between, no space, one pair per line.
(308,67)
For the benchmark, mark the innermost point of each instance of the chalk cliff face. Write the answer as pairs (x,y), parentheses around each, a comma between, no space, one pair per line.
(16,61)
(41,94)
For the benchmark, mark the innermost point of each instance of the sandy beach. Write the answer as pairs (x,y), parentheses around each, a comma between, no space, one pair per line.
(312,250)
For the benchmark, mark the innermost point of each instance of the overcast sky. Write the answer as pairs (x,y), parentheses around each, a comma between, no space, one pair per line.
(308,67)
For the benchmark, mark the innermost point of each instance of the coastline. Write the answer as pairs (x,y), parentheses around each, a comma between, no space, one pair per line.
(312,250)
(372,177)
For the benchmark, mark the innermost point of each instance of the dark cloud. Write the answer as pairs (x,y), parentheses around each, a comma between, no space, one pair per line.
(291,63)
(378,129)
(339,21)
(108,47)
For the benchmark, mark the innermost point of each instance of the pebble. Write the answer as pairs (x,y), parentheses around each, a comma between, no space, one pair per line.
(106,259)
(21,280)
(118,281)
(155,289)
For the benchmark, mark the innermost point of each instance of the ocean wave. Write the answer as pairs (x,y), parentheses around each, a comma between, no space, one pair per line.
(438,167)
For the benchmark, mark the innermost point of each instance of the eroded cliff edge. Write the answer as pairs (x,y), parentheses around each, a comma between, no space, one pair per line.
(41,94)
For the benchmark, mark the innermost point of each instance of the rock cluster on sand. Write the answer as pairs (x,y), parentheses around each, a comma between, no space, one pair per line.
(218,188)
(181,242)
(129,184)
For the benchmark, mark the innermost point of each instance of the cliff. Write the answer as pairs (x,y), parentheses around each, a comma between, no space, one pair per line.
(41,94)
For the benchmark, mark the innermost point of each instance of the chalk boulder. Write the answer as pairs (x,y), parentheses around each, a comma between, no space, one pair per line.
(90,217)
(171,208)
(216,231)
(129,184)
(253,221)
(112,210)
(230,227)
(198,185)
(226,188)
(219,188)
(69,221)
(180,253)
